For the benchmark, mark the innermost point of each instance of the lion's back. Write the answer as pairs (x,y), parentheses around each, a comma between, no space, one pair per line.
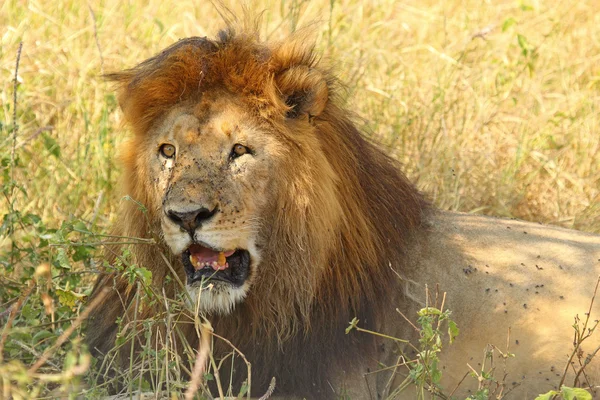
(502,274)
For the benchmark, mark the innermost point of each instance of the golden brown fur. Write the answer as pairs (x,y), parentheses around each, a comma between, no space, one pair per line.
(337,220)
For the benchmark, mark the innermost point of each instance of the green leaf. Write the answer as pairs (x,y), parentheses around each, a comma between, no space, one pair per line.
(160,25)
(569,393)
(453,330)
(146,386)
(31,219)
(526,7)
(208,376)
(145,274)
(63,259)
(30,313)
(51,145)
(523,44)
(482,394)
(69,298)
(82,253)
(508,22)
(41,335)
(79,226)
(436,374)
(243,389)
(547,396)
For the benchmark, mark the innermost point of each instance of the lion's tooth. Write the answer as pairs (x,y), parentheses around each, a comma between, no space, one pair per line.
(218,267)
(221,259)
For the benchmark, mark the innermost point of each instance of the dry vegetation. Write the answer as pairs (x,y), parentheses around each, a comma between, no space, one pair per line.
(493,107)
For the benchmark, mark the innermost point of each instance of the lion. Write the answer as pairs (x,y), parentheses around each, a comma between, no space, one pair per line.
(284,223)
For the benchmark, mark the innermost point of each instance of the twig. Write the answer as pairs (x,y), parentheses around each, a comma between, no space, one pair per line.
(168,337)
(9,194)
(579,338)
(181,285)
(588,359)
(270,390)
(458,384)
(248,365)
(359,329)
(439,322)
(38,132)
(204,349)
(67,333)
(15,123)
(391,367)
(34,352)
(96,208)
(482,34)
(407,320)
(473,370)
(101,243)
(504,362)
(13,313)
(96,38)
(216,374)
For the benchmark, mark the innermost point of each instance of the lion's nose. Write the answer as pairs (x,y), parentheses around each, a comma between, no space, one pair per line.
(190,220)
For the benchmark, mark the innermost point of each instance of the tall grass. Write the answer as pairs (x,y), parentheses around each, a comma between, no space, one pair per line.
(493,107)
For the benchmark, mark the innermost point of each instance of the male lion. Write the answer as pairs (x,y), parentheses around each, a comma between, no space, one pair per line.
(284,223)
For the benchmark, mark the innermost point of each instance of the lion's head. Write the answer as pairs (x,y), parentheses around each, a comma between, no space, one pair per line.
(279,215)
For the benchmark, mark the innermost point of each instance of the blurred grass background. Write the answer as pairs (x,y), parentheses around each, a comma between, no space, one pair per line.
(492,107)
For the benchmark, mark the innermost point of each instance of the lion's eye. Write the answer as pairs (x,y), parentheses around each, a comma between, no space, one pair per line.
(238,150)
(167,150)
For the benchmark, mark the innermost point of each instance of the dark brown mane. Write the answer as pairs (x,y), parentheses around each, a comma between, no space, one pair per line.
(336,269)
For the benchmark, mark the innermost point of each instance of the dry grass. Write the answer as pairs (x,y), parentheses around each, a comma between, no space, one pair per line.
(493,107)
(481,122)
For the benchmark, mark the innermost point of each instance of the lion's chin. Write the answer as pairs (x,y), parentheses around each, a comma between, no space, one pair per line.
(218,298)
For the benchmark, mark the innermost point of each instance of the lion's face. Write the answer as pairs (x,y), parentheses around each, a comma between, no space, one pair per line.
(239,164)
(210,162)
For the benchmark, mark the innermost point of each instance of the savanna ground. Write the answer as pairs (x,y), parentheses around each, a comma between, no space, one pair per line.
(492,106)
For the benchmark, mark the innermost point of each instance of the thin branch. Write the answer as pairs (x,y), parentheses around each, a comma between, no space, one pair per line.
(204,348)
(407,320)
(579,337)
(270,390)
(248,365)
(9,196)
(15,123)
(458,384)
(93,15)
(38,132)
(34,352)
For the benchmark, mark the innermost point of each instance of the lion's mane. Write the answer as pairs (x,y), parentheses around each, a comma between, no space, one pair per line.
(333,237)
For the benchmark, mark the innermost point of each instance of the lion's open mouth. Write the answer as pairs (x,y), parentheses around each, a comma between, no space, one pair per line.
(207,264)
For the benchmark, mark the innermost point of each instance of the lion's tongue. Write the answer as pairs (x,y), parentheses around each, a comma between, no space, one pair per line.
(201,257)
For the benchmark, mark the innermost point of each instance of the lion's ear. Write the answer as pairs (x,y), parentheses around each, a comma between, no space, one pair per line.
(304,90)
